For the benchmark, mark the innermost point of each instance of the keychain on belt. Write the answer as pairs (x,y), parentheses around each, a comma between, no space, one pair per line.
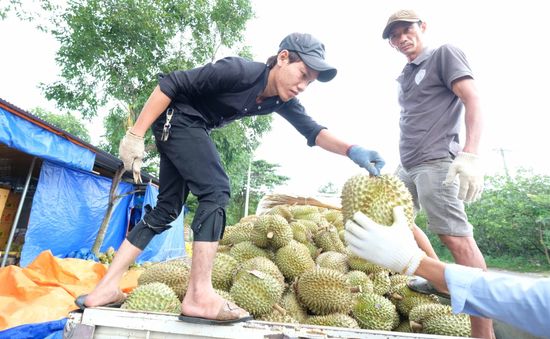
(167,125)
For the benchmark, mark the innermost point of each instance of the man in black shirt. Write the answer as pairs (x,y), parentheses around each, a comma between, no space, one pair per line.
(182,110)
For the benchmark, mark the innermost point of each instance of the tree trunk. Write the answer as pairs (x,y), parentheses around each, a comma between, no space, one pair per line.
(112,199)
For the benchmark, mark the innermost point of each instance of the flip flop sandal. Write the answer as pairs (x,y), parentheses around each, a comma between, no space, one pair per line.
(79,301)
(229,314)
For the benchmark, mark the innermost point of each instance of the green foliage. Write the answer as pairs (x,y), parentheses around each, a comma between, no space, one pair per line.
(66,122)
(112,50)
(511,220)
(328,188)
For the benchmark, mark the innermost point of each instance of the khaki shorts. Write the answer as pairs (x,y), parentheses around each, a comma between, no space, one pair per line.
(446,215)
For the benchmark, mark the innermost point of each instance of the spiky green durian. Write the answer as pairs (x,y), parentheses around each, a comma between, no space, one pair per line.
(374,312)
(334,320)
(257,292)
(293,260)
(174,273)
(154,297)
(271,231)
(324,291)
(376,197)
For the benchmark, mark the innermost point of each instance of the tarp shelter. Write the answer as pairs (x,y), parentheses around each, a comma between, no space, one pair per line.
(66,191)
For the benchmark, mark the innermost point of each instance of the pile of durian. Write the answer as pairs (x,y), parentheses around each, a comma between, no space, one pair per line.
(291,265)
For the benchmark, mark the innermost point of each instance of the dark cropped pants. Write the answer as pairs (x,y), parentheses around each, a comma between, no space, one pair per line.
(189,162)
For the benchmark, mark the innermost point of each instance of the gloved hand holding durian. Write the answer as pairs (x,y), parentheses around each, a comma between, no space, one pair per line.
(367,159)
(392,247)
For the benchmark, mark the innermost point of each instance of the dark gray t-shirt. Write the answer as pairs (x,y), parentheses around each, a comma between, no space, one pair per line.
(430,111)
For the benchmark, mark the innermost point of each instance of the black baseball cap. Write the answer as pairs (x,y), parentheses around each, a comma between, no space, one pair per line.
(312,53)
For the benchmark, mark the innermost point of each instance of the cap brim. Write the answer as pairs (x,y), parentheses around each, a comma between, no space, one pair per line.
(386,32)
(326,72)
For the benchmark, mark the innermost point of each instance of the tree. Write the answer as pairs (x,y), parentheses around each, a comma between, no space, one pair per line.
(66,122)
(262,181)
(111,51)
(512,218)
(329,188)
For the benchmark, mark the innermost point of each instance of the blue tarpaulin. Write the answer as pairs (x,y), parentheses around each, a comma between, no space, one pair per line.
(67,210)
(69,206)
(168,244)
(46,330)
(30,138)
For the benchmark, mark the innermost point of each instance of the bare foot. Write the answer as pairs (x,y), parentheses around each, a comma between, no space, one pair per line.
(207,306)
(101,297)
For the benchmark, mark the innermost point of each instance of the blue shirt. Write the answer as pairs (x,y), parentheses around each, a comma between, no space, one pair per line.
(226,90)
(521,302)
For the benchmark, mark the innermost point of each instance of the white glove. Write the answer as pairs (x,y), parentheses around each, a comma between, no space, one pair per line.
(131,150)
(392,247)
(470,174)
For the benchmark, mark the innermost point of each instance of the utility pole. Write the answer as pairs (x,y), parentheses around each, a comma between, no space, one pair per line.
(247,195)
(501,151)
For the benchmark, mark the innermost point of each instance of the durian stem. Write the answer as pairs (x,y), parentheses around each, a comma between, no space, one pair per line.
(415,327)
(279,309)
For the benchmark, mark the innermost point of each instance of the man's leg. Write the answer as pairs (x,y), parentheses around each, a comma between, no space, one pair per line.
(424,243)
(419,235)
(107,290)
(466,252)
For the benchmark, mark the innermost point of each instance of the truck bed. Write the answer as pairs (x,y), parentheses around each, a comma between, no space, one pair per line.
(113,323)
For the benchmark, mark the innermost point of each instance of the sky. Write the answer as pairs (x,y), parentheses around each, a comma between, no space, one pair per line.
(504,42)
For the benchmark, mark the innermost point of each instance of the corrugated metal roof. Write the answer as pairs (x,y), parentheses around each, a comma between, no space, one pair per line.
(103,160)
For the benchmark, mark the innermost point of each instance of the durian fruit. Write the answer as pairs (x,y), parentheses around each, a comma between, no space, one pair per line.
(303,211)
(334,320)
(278,316)
(237,233)
(424,311)
(376,197)
(457,325)
(173,273)
(403,326)
(154,297)
(406,299)
(360,264)
(439,319)
(300,232)
(224,294)
(293,307)
(381,282)
(281,210)
(271,231)
(327,238)
(261,264)
(223,270)
(324,291)
(398,278)
(374,312)
(249,218)
(257,292)
(360,279)
(333,260)
(310,225)
(293,260)
(334,217)
(247,250)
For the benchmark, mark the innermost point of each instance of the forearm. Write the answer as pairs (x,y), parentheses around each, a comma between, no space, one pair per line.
(423,242)
(153,108)
(474,126)
(466,90)
(434,271)
(331,143)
